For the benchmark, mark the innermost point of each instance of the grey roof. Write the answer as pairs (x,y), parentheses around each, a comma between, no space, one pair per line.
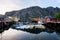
(2,16)
(50,17)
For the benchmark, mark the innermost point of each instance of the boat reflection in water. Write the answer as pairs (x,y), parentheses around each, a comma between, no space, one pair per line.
(33,33)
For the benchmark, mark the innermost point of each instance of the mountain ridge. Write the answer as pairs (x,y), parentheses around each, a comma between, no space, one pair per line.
(34,11)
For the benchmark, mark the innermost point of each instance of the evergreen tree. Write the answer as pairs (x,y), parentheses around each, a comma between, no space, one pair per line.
(57,15)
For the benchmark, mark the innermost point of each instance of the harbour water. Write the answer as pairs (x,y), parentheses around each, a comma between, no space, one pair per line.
(14,34)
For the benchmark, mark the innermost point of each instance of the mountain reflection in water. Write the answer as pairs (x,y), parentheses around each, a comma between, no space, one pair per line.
(30,34)
(12,34)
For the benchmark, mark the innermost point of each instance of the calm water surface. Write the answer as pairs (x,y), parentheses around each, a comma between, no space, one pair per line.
(13,34)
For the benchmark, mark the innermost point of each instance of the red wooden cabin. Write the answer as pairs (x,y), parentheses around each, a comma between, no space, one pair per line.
(50,19)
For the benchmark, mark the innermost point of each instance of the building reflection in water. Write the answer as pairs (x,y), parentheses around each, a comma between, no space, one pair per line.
(30,34)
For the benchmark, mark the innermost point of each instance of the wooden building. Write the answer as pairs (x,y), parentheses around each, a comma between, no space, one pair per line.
(50,19)
(35,20)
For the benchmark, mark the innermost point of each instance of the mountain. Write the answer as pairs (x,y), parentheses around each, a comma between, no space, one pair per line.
(34,11)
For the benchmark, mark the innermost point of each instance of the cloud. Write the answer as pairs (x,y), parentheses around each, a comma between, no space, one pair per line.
(8,5)
(58,1)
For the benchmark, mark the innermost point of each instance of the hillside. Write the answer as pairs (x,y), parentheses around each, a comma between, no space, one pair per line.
(34,11)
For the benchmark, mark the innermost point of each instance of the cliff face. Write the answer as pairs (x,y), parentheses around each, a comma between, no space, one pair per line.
(34,11)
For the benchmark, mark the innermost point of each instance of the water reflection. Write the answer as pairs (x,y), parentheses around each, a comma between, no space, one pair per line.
(5,25)
(13,33)
(37,30)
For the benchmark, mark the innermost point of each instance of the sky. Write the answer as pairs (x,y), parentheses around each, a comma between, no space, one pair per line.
(10,5)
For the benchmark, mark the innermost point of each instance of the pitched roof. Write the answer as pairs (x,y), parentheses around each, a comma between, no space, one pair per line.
(2,16)
(50,17)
